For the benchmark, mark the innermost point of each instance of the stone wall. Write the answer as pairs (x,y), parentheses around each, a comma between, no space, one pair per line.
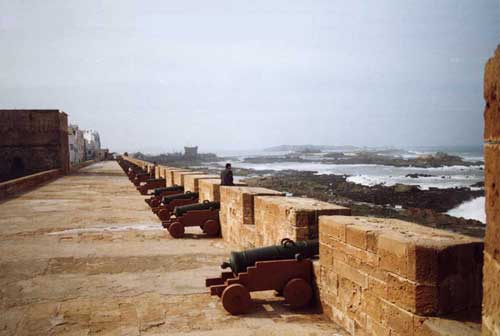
(491,303)
(16,186)
(386,276)
(374,276)
(237,213)
(180,175)
(192,182)
(291,217)
(33,141)
(170,175)
(209,189)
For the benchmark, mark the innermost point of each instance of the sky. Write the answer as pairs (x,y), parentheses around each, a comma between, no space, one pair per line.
(155,75)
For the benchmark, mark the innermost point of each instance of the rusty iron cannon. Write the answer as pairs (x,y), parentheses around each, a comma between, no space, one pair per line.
(164,211)
(140,178)
(125,165)
(285,268)
(158,193)
(205,215)
(151,183)
(134,171)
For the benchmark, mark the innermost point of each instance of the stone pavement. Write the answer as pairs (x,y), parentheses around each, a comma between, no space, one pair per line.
(83,255)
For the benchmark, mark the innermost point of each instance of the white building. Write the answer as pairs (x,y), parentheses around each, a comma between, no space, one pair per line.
(92,144)
(76,145)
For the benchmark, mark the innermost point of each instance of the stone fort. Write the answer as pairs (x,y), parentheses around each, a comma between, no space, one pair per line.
(32,141)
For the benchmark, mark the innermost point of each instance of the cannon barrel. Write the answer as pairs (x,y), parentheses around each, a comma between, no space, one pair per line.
(187,195)
(288,249)
(180,210)
(158,191)
(154,179)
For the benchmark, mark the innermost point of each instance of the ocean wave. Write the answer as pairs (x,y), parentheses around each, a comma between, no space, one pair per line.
(473,209)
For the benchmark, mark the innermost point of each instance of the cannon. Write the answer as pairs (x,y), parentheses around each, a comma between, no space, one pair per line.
(285,268)
(164,211)
(140,178)
(158,193)
(205,215)
(134,171)
(151,184)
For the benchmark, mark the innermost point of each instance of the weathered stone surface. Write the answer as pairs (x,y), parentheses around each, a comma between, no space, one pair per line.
(192,182)
(290,217)
(209,189)
(492,98)
(25,183)
(180,175)
(389,274)
(33,141)
(237,209)
(170,175)
(491,301)
(491,282)
(492,185)
(83,255)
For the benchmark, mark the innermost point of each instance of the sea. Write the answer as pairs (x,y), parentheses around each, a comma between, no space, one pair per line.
(369,174)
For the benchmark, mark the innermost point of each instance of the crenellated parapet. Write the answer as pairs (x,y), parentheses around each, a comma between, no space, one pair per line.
(375,276)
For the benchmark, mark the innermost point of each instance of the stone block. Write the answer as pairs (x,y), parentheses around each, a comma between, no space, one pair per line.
(492,185)
(401,270)
(291,217)
(179,176)
(351,273)
(491,301)
(492,98)
(237,208)
(191,182)
(169,175)
(209,189)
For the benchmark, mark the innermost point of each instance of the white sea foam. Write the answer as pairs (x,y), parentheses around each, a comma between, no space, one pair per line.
(370,174)
(473,209)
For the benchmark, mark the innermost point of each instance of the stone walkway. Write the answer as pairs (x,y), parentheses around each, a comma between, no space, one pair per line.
(83,255)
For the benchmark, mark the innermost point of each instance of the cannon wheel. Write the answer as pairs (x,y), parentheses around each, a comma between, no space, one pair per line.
(211,227)
(297,293)
(155,203)
(176,230)
(236,299)
(163,214)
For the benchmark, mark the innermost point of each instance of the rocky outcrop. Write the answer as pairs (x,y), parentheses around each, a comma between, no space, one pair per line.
(326,187)
(439,159)
(401,201)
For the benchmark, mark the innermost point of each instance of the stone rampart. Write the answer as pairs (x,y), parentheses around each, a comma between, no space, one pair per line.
(16,186)
(192,182)
(33,141)
(374,276)
(491,303)
(291,217)
(170,178)
(237,213)
(179,176)
(386,276)
(209,189)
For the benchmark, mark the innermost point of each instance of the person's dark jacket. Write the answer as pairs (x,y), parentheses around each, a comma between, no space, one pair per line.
(226,177)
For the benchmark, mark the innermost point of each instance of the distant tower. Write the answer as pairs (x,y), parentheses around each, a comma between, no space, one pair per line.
(191,152)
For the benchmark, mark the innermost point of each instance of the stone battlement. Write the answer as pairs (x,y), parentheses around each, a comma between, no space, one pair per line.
(389,275)
(375,276)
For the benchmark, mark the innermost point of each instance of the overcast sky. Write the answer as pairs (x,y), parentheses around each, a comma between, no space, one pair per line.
(156,75)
